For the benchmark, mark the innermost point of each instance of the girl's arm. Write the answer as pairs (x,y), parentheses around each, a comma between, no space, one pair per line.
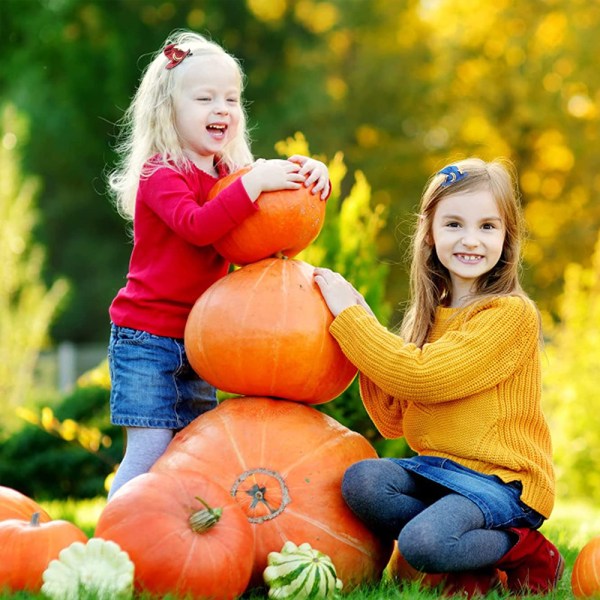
(384,410)
(483,352)
(169,195)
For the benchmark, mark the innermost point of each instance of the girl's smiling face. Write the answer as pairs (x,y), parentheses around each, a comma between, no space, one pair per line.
(468,234)
(207,107)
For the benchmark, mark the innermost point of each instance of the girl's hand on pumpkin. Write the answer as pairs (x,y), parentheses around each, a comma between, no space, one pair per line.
(315,172)
(338,293)
(272,175)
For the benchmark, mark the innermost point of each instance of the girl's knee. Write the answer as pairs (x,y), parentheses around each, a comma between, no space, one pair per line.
(420,546)
(359,478)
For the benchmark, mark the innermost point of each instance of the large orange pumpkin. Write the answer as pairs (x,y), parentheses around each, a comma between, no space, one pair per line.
(283,462)
(585,578)
(263,330)
(14,505)
(286,222)
(175,542)
(27,547)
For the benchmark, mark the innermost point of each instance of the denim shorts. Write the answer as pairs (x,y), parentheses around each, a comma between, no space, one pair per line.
(500,502)
(152,382)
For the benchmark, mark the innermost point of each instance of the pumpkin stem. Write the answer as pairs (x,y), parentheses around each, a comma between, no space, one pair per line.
(205,518)
(35,519)
(280,254)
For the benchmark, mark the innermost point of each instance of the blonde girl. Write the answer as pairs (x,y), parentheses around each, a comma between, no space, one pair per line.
(185,129)
(462,384)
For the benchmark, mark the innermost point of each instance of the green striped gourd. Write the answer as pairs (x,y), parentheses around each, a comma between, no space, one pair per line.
(301,573)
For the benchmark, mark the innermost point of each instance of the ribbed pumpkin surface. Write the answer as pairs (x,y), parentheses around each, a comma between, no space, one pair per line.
(286,222)
(585,578)
(263,330)
(15,505)
(283,462)
(155,518)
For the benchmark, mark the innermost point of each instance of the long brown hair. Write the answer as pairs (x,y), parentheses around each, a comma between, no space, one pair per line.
(430,283)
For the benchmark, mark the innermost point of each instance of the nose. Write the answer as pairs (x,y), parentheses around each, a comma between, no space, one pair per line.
(221,107)
(470,240)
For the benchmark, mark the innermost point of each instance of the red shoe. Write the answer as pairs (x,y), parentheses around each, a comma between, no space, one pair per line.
(533,564)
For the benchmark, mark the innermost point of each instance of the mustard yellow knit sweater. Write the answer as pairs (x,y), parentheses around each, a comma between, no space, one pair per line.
(471,394)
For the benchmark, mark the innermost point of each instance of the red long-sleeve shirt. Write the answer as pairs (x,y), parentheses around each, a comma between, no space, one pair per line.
(173,260)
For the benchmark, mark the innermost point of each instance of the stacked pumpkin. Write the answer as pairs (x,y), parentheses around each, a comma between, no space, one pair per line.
(261,332)
(263,329)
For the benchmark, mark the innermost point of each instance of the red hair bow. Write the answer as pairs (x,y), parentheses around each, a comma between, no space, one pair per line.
(175,55)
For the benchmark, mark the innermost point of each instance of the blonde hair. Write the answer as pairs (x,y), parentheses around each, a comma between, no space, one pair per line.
(430,282)
(148,125)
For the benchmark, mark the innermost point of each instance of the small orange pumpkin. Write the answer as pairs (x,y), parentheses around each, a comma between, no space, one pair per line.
(14,505)
(283,462)
(26,549)
(286,222)
(585,578)
(184,534)
(263,330)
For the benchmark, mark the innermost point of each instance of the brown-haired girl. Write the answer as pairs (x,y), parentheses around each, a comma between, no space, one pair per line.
(462,384)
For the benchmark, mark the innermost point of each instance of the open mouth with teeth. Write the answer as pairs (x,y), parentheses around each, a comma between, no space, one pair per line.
(217,130)
(469,258)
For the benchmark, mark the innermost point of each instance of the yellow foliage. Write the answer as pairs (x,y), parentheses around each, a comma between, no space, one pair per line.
(336,88)
(550,32)
(27,415)
(571,390)
(267,10)
(339,42)
(97,377)
(26,306)
(552,152)
(317,17)
(89,438)
(47,419)
(293,145)
(367,136)
(196,18)
(582,106)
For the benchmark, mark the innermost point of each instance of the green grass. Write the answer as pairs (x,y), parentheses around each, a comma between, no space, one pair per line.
(570,528)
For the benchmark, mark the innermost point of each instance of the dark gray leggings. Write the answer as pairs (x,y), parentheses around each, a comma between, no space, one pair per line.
(437,530)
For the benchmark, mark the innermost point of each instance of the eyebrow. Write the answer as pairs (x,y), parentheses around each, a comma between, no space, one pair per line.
(458,218)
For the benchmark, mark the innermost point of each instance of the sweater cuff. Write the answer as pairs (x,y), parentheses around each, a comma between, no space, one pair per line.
(236,202)
(344,321)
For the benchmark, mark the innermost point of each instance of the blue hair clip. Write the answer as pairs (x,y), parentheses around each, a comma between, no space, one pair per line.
(452,174)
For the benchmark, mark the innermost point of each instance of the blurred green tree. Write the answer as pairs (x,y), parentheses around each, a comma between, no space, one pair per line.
(27,306)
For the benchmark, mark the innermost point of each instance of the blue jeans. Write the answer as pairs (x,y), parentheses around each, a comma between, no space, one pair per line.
(152,382)
(438,527)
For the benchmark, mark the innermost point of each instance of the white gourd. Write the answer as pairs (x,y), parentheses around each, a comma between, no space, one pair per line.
(301,573)
(98,569)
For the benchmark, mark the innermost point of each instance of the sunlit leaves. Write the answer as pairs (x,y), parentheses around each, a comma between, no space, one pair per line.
(89,438)
(571,382)
(268,10)
(26,305)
